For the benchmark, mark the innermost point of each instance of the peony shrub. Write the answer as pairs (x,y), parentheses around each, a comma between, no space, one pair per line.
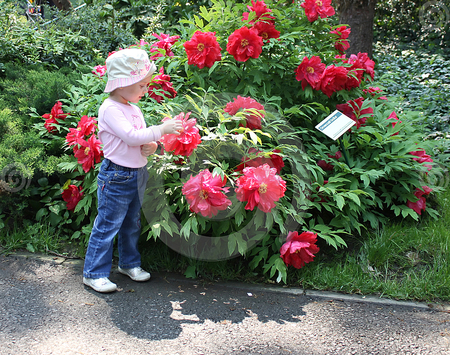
(250,174)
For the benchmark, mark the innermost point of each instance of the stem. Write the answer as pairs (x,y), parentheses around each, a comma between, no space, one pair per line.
(344,151)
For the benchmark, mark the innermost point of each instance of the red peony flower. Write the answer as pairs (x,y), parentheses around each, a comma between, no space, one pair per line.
(327,166)
(310,72)
(253,120)
(367,64)
(203,49)
(72,195)
(257,158)
(244,43)
(393,116)
(333,79)
(299,249)
(184,143)
(420,204)
(161,82)
(99,70)
(353,110)
(422,157)
(355,72)
(260,187)
(316,8)
(73,136)
(86,126)
(374,91)
(55,114)
(206,194)
(342,32)
(89,153)
(260,9)
(266,30)
(165,42)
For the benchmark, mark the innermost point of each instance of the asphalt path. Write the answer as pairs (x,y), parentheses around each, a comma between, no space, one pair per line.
(45,309)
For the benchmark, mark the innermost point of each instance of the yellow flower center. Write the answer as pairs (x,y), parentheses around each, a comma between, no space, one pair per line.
(264,35)
(203,194)
(310,70)
(262,188)
(244,43)
(87,150)
(319,3)
(200,47)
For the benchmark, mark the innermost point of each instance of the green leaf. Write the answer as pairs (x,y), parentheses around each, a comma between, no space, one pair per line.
(232,242)
(340,202)
(354,198)
(186,229)
(255,139)
(198,21)
(191,272)
(30,248)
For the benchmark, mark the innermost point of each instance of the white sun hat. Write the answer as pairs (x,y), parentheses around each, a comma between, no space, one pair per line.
(127,67)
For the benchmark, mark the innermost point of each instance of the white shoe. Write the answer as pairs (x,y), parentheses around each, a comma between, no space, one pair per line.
(136,273)
(100,285)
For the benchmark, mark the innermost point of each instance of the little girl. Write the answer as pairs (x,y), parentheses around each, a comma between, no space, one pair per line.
(123,174)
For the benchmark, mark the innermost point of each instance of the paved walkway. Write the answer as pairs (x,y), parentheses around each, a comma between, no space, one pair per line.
(45,309)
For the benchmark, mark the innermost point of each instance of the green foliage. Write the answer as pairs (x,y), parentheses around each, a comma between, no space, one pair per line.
(41,43)
(421,22)
(370,184)
(23,87)
(104,27)
(403,260)
(420,81)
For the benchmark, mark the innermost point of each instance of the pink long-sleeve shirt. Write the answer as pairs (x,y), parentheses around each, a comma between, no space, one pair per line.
(122,130)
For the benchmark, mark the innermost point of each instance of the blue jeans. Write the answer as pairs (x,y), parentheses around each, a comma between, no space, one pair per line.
(120,192)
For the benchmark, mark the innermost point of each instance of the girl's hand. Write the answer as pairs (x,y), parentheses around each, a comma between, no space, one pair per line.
(171,127)
(148,148)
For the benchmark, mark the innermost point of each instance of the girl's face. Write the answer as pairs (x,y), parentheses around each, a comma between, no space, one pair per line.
(132,93)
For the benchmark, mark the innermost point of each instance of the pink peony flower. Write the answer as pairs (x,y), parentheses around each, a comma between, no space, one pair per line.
(99,70)
(260,187)
(188,139)
(299,249)
(206,194)
(257,158)
(420,204)
(253,120)
(165,42)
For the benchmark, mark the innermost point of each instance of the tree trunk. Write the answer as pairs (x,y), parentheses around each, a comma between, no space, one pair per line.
(359,15)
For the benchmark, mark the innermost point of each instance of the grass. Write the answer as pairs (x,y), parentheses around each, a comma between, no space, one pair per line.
(34,238)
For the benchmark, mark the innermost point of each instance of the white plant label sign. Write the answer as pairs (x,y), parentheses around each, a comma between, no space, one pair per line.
(335,125)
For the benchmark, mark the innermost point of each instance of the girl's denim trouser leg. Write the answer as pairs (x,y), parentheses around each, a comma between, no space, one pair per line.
(120,194)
